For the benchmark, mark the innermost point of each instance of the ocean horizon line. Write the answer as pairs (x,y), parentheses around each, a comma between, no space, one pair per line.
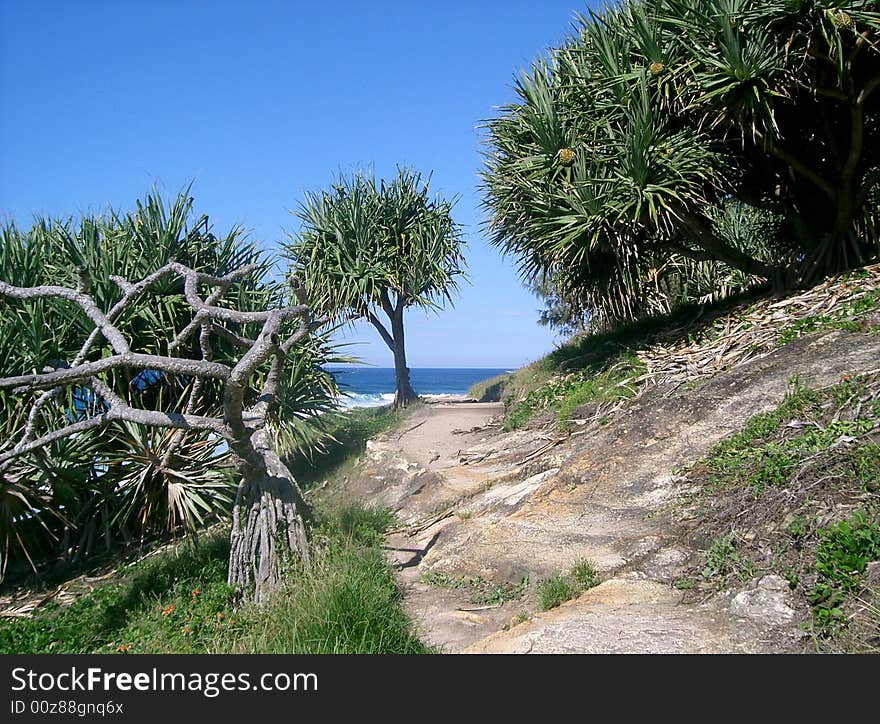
(390,367)
(367,386)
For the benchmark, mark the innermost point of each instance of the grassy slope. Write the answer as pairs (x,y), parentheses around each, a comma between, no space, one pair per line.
(178,602)
(796,493)
(599,368)
(590,368)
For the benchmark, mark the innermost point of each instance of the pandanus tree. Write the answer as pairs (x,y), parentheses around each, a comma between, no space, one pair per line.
(656,120)
(148,377)
(369,248)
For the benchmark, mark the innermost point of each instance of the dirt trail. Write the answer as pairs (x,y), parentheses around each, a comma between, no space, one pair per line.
(480,508)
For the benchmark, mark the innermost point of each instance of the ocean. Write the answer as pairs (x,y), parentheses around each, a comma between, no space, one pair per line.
(373,386)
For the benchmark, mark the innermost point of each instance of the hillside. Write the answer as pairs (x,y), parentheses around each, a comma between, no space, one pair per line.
(702,483)
(717,478)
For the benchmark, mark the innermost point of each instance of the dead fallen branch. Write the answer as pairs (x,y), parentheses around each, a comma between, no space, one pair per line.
(736,338)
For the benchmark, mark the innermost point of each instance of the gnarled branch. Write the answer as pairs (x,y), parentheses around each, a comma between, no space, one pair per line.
(236,424)
(85,302)
(130,360)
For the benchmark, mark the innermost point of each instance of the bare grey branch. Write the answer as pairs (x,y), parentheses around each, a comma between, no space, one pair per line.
(85,302)
(23,449)
(266,509)
(131,360)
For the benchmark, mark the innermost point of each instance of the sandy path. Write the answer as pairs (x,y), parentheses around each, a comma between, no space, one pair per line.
(479,504)
(434,436)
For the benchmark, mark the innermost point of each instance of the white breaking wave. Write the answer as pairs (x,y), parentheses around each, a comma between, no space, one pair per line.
(355,399)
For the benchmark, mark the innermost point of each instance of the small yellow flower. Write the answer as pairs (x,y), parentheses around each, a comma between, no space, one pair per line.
(656,68)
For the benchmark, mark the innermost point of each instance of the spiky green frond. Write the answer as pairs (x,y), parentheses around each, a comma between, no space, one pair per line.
(666,112)
(365,238)
(95,488)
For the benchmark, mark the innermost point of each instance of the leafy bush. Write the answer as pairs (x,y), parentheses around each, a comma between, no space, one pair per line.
(843,554)
(657,155)
(112,485)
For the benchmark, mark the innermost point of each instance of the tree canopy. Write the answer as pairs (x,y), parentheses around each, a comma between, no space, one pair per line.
(634,145)
(368,247)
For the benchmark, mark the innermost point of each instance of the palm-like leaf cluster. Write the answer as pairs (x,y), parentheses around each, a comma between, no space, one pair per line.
(128,482)
(365,238)
(656,120)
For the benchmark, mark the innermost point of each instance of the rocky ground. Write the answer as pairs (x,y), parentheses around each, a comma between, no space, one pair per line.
(481,510)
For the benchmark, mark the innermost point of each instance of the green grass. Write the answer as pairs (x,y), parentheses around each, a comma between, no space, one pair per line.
(347,603)
(479,590)
(758,457)
(749,458)
(605,386)
(348,434)
(842,556)
(178,602)
(721,558)
(557,589)
(491,390)
(361,524)
(563,394)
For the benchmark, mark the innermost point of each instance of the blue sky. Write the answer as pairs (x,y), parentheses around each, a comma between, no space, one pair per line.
(256,102)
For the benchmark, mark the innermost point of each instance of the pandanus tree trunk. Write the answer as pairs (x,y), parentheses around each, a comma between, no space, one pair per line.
(268,531)
(404,393)
(396,341)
